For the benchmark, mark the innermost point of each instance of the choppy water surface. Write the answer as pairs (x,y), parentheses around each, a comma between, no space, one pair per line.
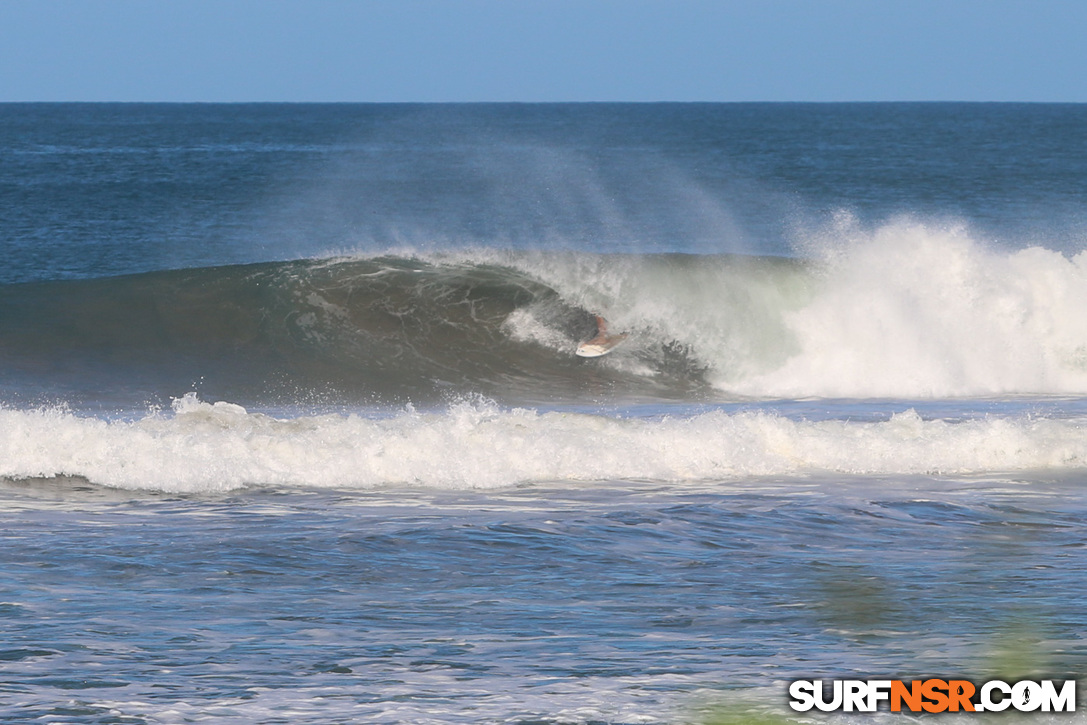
(618,601)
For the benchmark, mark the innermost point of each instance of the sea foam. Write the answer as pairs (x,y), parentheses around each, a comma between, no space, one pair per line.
(915,311)
(220,446)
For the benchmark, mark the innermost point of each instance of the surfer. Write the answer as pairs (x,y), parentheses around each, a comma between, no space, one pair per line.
(602,336)
(603,343)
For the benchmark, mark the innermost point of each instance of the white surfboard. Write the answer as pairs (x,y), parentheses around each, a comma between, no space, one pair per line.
(600,345)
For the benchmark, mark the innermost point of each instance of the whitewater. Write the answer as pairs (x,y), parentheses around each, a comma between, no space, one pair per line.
(215,447)
(292,428)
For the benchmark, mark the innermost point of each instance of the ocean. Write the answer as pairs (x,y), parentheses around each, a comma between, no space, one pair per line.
(292,429)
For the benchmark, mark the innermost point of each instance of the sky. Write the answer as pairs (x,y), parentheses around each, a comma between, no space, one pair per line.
(543,50)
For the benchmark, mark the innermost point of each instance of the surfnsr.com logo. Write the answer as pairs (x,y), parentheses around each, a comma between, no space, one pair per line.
(933,695)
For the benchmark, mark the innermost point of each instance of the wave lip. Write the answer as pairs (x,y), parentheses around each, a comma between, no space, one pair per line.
(204,447)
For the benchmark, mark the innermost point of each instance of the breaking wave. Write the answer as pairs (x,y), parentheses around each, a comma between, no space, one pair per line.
(202,447)
(904,311)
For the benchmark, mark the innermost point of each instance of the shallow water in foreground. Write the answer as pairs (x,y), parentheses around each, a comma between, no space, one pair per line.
(618,601)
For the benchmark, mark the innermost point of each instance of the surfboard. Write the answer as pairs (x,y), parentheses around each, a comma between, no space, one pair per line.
(600,345)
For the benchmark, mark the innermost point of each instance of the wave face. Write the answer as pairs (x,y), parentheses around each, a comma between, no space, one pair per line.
(344,329)
(906,311)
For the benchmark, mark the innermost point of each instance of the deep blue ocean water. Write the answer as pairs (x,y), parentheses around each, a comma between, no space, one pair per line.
(292,429)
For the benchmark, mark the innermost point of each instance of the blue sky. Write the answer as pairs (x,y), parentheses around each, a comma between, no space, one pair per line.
(543,50)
